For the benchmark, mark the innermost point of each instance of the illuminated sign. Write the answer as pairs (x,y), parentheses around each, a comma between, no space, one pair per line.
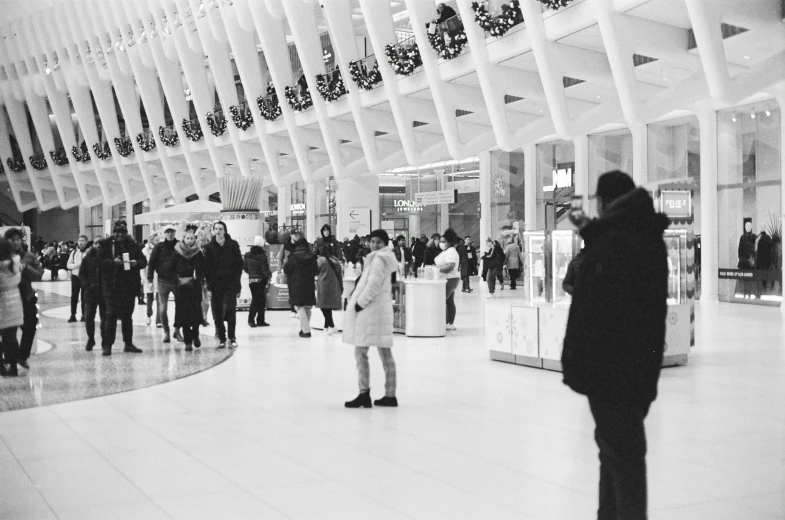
(677,204)
(562,178)
(407,205)
(297,209)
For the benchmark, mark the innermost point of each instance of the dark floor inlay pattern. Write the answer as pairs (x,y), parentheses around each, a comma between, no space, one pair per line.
(68,373)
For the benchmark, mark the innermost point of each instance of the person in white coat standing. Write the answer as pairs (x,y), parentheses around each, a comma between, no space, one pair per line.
(369,320)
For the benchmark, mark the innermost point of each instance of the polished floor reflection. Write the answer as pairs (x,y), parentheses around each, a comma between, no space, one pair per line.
(61,370)
(265,435)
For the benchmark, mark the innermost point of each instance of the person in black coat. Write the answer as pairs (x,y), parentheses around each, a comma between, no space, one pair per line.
(613,346)
(432,250)
(90,280)
(326,238)
(301,268)
(120,281)
(224,268)
(493,265)
(403,254)
(188,264)
(419,249)
(257,266)
(468,262)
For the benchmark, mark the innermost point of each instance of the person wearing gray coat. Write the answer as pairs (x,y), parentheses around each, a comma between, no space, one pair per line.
(329,286)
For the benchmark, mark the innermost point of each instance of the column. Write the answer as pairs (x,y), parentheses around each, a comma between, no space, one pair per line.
(284,198)
(313,190)
(781,101)
(486,178)
(356,193)
(640,155)
(83,215)
(107,213)
(707,119)
(444,209)
(581,146)
(530,185)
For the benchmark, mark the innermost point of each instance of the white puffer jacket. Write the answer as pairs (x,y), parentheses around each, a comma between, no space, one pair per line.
(373,326)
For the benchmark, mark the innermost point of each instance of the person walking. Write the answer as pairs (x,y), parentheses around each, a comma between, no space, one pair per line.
(329,286)
(11,310)
(31,272)
(448,263)
(403,254)
(203,238)
(257,266)
(51,260)
(301,268)
(90,279)
(468,264)
(614,342)
(288,239)
(224,269)
(121,263)
(493,262)
(326,238)
(73,264)
(368,321)
(188,263)
(161,267)
(151,287)
(513,261)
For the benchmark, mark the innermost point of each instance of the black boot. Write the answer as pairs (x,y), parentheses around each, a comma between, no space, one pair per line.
(12,371)
(386,401)
(90,345)
(252,324)
(361,401)
(130,347)
(107,351)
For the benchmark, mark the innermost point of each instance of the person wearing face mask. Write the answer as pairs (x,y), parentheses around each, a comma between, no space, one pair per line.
(448,262)
(189,265)
(368,321)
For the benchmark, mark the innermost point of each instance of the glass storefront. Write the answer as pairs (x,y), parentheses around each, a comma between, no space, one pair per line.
(297,207)
(608,151)
(507,193)
(749,182)
(555,184)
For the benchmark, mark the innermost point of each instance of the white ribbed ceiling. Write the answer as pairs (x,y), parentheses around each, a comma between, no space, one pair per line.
(69,68)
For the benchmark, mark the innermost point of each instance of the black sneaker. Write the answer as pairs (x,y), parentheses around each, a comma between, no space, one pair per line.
(197,342)
(90,345)
(252,324)
(167,339)
(188,348)
(72,319)
(305,334)
(178,336)
(12,371)
(233,343)
(387,401)
(106,352)
(132,349)
(263,324)
(24,364)
(361,401)
(222,344)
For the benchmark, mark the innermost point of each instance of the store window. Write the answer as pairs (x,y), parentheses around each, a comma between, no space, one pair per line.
(749,178)
(608,151)
(507,193)
(297,207)
(95,225)
(555,184)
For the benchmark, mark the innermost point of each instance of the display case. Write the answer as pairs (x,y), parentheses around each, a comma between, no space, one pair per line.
(534,259)
(565,244)
(676,247)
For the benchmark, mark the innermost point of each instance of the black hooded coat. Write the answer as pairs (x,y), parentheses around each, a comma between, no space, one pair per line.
(615,337)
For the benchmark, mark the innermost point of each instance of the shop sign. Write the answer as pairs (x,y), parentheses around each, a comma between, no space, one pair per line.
(359,221)
(270,213)
(297,209)
(750,275)
(427,198)
(562,178)
(407,205)
(467,186)
(676,204)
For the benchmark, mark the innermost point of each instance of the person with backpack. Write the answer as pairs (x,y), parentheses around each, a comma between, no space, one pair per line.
(493,263)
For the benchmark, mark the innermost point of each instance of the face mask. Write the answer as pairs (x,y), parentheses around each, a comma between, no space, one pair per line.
(442,246)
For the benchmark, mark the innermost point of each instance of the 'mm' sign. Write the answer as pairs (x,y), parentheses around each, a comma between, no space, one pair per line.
(562,178)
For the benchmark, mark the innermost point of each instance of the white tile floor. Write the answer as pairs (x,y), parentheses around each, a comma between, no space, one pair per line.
(265,436)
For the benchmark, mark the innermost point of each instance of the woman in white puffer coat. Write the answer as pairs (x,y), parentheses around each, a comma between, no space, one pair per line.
(369,320)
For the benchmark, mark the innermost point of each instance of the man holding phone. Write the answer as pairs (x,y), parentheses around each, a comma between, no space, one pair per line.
(613,346)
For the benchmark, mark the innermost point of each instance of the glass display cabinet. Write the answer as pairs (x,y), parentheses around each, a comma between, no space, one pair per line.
(676,247)
(534,258)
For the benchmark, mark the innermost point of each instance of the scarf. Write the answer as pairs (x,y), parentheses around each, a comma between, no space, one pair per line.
(186,251)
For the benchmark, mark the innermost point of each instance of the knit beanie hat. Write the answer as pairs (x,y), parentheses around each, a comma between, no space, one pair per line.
(612,185)
(381,234)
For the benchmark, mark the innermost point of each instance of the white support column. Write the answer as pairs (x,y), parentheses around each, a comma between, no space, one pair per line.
(581,145)
(640,154)
(358,192)
(707,118)
(530,186)
(312,191)
(444,209)
(486,181)
(284,198)
(83,211)
(781,101)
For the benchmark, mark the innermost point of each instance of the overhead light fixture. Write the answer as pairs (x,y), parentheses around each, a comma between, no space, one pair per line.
(768,112)
(752,114)
(598,97)
(664,79)
(746,57)
(733,117)
(48,71)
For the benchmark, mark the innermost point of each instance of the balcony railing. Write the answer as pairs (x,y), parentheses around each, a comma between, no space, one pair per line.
(497,24)
(365,72)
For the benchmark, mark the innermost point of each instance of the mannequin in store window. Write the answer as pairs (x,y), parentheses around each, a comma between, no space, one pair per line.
(747,254)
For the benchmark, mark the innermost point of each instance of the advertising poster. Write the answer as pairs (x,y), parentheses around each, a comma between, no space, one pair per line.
(243,226)
(278,294)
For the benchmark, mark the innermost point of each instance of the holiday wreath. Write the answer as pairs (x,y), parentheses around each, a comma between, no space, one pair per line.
(241,117)
(365,79)
(193,131)
(403,60)
(172,140)
(38,162)
(124,147)
(330,86)
(217,125)
(146,145)
(80,156)
(16,165)
(447,45)
(498,27)
(102,152)
(555,4)
(301,103)
(269,106)
(59,157)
